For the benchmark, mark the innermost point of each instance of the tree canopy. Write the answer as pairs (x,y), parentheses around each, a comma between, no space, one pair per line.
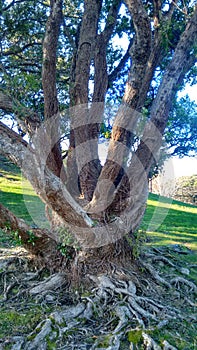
(61,61)
(186,189)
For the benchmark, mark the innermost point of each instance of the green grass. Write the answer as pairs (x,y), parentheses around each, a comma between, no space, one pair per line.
(19,322)
(170,222)
(17,194)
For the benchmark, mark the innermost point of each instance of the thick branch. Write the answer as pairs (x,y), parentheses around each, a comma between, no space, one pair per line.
(12,135)
(50,188)
(126,117)
(79,94)
(182,60)
(86,46)
(52,191)
(51,107)
(43,241)
(49,59)
(140,51)
(151,140)
(100,61)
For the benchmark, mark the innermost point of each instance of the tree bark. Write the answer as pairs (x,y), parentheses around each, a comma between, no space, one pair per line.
(127,116)
(32,157)
(90,171)
(109,183)
(50,188)
(79,97)
(40,236)
(150,143)
(51,109)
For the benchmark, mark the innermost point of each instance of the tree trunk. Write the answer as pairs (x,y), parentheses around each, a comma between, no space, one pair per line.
(91,47)
(106,193)
(51,109)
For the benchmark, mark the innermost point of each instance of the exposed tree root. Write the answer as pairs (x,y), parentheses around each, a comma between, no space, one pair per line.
(177,281)
(115,304)
(52,283)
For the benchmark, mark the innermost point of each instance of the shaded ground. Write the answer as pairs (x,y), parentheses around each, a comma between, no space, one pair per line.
(133,308)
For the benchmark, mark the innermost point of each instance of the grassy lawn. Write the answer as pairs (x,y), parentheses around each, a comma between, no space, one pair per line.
(170,222)
(17,194)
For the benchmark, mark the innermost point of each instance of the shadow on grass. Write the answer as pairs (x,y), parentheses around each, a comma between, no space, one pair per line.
(170,222)
(29,208)
(7,166)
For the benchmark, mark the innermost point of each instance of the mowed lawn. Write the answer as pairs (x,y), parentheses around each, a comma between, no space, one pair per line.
(170,222)
(166,221)
(17,194)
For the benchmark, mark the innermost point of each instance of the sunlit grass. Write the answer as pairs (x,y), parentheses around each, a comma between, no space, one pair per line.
(17,194)
(170,222)
(168,203)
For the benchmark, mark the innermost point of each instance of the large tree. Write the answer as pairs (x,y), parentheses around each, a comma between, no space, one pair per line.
(58,65)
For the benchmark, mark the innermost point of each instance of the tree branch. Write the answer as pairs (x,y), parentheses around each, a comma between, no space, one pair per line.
(16,49)
(184,57)
(126,117)
(49,59)
(140,51)
(86,48)
(113,75)
(111,20)
(25,116)
(51,107)
(51,190)
(43,238)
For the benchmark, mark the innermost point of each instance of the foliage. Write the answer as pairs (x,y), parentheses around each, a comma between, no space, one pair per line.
(181,131)
(186,189)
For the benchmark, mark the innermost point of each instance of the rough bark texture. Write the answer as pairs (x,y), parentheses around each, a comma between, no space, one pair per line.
(92,46)
(47,185)
(79,96)
(126,117)
(152,135)
(54,160)
(154,129)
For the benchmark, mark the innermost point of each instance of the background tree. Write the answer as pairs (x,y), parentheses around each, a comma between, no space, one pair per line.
(181,130)
(186,189)
(46,67)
